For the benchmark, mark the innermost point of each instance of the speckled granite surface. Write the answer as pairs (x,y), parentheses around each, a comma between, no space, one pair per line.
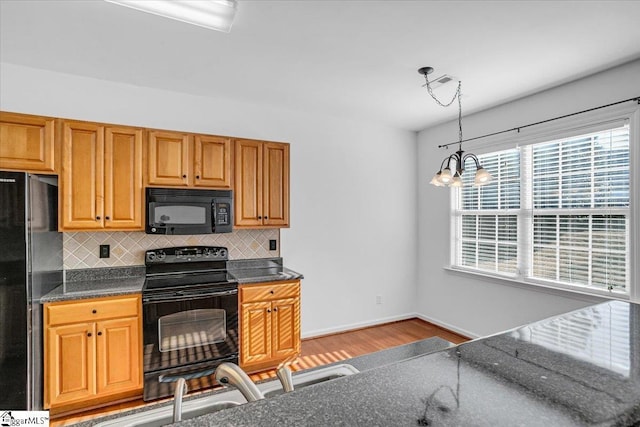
(97,282)
(261,270)
(578,369)
(102,282)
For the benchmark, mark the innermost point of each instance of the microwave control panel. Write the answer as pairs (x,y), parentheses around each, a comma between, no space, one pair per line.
(222,213)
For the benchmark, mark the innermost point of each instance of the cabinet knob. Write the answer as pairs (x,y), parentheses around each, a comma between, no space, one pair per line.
(99,333)
(266,217)
(184,176)
(97,218)
(88,334)
(275,309)
(259,217)
(94,311)
(271,291)
(268,310)
(107,218)
(197,176)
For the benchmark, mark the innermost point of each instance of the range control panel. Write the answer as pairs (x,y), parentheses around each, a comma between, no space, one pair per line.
(186,254)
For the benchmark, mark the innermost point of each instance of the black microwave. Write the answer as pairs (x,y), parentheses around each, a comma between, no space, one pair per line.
(180,211)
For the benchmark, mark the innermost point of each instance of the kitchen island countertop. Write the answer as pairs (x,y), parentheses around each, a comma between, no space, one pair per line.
(580,368)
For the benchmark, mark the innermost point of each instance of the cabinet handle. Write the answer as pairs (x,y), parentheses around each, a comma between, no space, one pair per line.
(94,311)
(88,334)
(99,333)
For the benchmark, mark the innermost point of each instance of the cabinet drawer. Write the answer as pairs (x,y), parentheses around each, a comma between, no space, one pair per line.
(250,293)
(92,310)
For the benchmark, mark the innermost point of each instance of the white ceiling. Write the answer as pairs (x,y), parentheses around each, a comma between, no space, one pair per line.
(354,59)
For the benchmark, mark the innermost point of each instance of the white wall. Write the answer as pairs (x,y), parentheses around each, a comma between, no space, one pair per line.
(353,185)
(477,306)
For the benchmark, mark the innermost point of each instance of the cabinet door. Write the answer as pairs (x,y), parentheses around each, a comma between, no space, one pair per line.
(123,178)
(27,142)
(119,365)
(69,363)
(275,194)
(168,161)
(82,176)
(255,346)
(212,161)
(286,327)
(248,183)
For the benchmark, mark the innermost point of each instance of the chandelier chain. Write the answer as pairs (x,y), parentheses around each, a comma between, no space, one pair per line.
(458,92)
(437,100)
(455,95)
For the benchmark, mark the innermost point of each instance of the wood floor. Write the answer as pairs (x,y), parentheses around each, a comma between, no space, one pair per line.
(320,351)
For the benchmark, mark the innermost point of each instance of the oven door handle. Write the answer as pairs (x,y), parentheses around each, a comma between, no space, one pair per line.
(190,375)
(184,295)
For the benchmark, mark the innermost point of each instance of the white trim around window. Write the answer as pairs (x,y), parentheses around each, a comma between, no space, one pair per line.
(493,237)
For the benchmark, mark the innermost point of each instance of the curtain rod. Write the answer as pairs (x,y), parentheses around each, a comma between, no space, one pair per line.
(517,128)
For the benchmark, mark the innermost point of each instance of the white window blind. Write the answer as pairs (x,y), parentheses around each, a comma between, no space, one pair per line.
(488,220)
(557,212)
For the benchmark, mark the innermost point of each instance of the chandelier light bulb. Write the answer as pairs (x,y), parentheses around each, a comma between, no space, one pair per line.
(456,181)
(436,180)
(445,176)
(482,177)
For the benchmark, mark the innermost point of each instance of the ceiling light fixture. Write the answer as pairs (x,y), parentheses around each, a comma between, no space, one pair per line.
(213,14)
(444,176)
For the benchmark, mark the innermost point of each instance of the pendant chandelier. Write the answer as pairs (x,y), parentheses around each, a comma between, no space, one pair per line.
(452,167)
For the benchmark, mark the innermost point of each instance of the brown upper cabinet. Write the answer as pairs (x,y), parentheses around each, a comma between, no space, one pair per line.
(101,177)
(188,160)
(261,184)
(27,143)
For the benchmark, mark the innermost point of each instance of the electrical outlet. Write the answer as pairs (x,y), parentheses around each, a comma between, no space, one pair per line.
(273,245)
(105,251)
(378,299)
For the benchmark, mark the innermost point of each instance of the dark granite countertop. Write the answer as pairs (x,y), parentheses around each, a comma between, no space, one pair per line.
(577,369)
(261,270)
(102,282)
(97,282)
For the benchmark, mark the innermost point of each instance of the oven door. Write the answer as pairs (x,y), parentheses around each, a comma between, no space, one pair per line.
(187,332)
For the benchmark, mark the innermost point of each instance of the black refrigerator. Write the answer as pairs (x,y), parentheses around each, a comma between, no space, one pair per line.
(30,266)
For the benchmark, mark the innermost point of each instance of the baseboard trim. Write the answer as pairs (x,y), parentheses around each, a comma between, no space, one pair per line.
(445,325)
(353,326)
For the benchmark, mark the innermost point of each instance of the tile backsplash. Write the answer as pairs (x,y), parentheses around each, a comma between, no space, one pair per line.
(81,249)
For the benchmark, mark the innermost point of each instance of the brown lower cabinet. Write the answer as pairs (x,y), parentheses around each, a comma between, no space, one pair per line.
(92,352)
(269,324)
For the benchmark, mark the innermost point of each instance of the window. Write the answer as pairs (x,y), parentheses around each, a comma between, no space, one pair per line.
(557,212)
